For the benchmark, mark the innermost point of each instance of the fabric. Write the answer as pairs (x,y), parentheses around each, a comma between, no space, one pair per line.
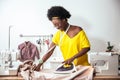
(82,73)
(71,46)
(25,70)
(86,75)
(28,51)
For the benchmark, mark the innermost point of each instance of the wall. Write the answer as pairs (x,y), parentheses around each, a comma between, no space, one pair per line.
(99,18)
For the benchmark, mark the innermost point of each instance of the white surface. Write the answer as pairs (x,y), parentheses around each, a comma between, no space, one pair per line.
(29,17)
(3,71)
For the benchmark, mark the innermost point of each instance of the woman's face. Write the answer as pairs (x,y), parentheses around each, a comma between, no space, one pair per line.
(58,23)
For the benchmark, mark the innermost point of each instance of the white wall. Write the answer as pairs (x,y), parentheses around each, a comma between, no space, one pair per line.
(99,18)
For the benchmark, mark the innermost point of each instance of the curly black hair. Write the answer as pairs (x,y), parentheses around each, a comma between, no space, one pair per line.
(58,11)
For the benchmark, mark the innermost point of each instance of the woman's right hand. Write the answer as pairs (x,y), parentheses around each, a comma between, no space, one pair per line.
(36,67)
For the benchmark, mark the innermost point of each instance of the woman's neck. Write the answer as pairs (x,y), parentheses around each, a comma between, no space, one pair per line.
(66,26)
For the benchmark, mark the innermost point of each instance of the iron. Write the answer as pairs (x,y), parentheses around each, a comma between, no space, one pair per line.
(65,69)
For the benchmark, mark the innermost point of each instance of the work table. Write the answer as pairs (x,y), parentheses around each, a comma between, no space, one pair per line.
(98,77)
(95,77)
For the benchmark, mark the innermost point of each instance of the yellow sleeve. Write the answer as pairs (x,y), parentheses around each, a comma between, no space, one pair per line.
(84,40)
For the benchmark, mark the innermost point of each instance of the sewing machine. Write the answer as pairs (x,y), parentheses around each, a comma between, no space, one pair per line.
(105,63)
(8,63)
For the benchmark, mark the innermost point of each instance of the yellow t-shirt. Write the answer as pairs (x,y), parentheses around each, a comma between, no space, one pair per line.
(71,46)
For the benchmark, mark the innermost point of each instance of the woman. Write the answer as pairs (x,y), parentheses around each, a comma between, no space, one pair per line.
(71,39)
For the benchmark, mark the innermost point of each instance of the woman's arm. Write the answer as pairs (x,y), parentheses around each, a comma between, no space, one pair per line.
(81,53)
(46,56)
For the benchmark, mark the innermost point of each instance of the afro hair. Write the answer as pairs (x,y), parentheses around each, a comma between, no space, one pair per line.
(58,11)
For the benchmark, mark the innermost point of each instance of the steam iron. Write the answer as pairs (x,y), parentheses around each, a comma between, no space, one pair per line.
(65,69)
